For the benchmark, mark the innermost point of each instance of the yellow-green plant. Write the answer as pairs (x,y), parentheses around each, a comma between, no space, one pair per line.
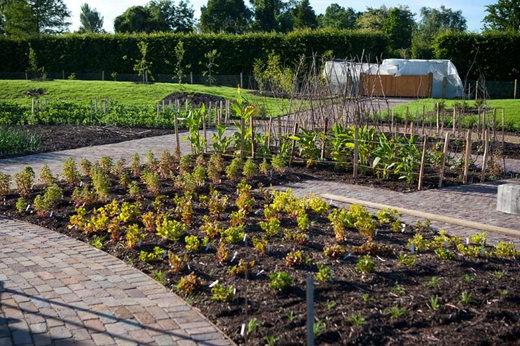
(334,251)
(211,228)
(152,182)
(233,169)
(5,182)
(317,205)
(46,177)
(70,172)
(365,264)
(260,245)
(24,181)
(100,183)
(193,243)
(129,212)
(249,169)
(505,250)
(280,281)
(223,294)
(233,235)
(52,196)
(106,163)
(222,253)
(21,205)
(83,196)
(215,168)
(171,229)
(324,273)
(84,167)
(295,258)
(135,165)
(133,236)
(271,227)
(188,284)
(245,199)
(153,256)
(243,268)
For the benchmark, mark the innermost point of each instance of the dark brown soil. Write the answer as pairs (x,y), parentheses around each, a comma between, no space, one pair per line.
(491,317)
(196,99)
(63,137)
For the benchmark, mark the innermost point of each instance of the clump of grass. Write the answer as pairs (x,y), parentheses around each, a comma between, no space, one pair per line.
(17,142)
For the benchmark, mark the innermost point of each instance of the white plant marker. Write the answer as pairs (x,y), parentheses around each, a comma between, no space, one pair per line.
(260,272)
(243,330)
(28,207)
(213,284)
(412,248)
(234,256)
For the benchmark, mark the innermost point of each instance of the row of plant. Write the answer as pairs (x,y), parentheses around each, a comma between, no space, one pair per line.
(15,142)
(207,228)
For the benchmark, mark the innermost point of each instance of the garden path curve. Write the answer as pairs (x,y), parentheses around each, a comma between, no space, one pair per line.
(55,290)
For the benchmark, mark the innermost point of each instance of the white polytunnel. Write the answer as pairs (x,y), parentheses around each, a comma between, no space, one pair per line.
(446,83)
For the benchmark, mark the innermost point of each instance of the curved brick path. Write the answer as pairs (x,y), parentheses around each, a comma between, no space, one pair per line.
(55,290)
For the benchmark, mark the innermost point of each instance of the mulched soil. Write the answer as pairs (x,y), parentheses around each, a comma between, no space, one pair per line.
(491,317)
(63,137)
(196,99)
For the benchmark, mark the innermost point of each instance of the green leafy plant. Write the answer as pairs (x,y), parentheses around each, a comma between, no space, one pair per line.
(152,256)
(193,243)
(434,303)
(134,236)
(223,294)
(172,230)
(24,181)
(357,320)
(465,298)
(320,327)
(324,273)
(233,235)
(396,312)
(21,205)
(46,203)
(365,264)
(252,326)
(233,169)
(407,260)
(280,281)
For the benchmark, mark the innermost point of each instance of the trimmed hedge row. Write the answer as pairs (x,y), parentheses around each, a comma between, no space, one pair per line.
(117,53)
(492,55)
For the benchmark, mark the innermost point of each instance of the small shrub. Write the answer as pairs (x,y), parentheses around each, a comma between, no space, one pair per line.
(233,235)
(172,230)
(222,253)
(334,251)
(233,169)
(317,205)
(106,164)
(193,243)
(177,263)
(324,273)
(133,236)
(5,182)
(152,182)
(221,293)
(21,205)
(100,183)
(260,245)
(295,258)
(365,264)
(70,172)
(24,181)
(249,169)
(271,227)
(44,204)
(280,281)
(83,196)
(153,256)
(505,250)
(188,284)
(46,177)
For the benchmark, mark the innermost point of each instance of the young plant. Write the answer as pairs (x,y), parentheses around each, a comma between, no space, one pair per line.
(46,177)
(365,264)
(189,284)
(242,269)
(177,263)
(84,167)
(135,166)
(260,245)
(295,258)
(434,303)
(70,172)
(222,294)
(161,277)
(264,167)
(212,229)
(152,182)
(396,312)
(133,236)
(156,255)
(252,326)
(21,205)
(101,183)
(357,320)
(249,169)
(46,203)
(222,253)
(106,163)
(233,169)
(134,191)
(505,250)
(407,260)
(193,243)
(319,328)
(317,205)
(215,168)
(324,273)
(233,235)
(334,251)
(172,230)
(280,281)
(5,182)
(271,227)
(24,181)
(465,298)
(82,196)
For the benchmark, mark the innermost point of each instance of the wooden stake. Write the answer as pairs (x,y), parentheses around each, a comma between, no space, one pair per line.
(421,169)
(324,141)
(356,150)
(293,145)
(515,88)
(454,120)
(176,129)
(494,125)
(437,114)
(391,121)
(204,130)
(484,157)
(252,126)
(269,132)
(467,156)
(444,154)
(242,144)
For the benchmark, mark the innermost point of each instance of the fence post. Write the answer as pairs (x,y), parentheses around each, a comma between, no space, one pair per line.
(467,156)
(103,75)
(269,132)
(241,80)
(444,153)
(515,88)
(252,125)
(310,311)
(177,141)
(437,115)
(421,169)
(293,145)
(454,120)
(476,90)
(326,125)
(191,77)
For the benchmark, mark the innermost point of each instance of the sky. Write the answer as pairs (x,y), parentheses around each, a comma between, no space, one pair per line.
(473,10)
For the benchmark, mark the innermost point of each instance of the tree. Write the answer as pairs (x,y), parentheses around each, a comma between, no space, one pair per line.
(399,26)
(135,19)
(272,15)
(433,22)
(171,17)
(32,17)
(91,20)
(225,15)
(338,17)
(157,15)
(18,18)
(50,16)
(396,22)
(503,16)
(304,16)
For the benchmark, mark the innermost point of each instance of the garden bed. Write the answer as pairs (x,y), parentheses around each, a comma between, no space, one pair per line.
(195,99)
(378,281)
(50,138)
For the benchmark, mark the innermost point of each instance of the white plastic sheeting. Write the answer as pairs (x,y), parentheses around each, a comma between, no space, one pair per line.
(344,75)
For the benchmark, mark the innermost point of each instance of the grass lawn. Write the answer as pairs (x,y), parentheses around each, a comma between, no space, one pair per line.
(511,109)
(127,93)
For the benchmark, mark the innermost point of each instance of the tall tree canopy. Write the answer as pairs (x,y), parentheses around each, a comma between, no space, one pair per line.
(272,15)
(433,22)
(397,22)
(157,15)
(91,20)
(304,15)
(338,17)
(32,17)
(225,15)
(504,15)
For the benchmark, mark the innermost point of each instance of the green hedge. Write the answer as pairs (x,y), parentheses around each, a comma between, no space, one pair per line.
(116,53)
(496,56)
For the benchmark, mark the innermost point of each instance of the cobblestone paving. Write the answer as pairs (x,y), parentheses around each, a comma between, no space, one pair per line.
(55,290)
(476,202)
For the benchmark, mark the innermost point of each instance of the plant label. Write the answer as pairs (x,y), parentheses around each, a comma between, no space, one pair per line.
(213,284)
(234,256)
(412,248)
(243,330)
